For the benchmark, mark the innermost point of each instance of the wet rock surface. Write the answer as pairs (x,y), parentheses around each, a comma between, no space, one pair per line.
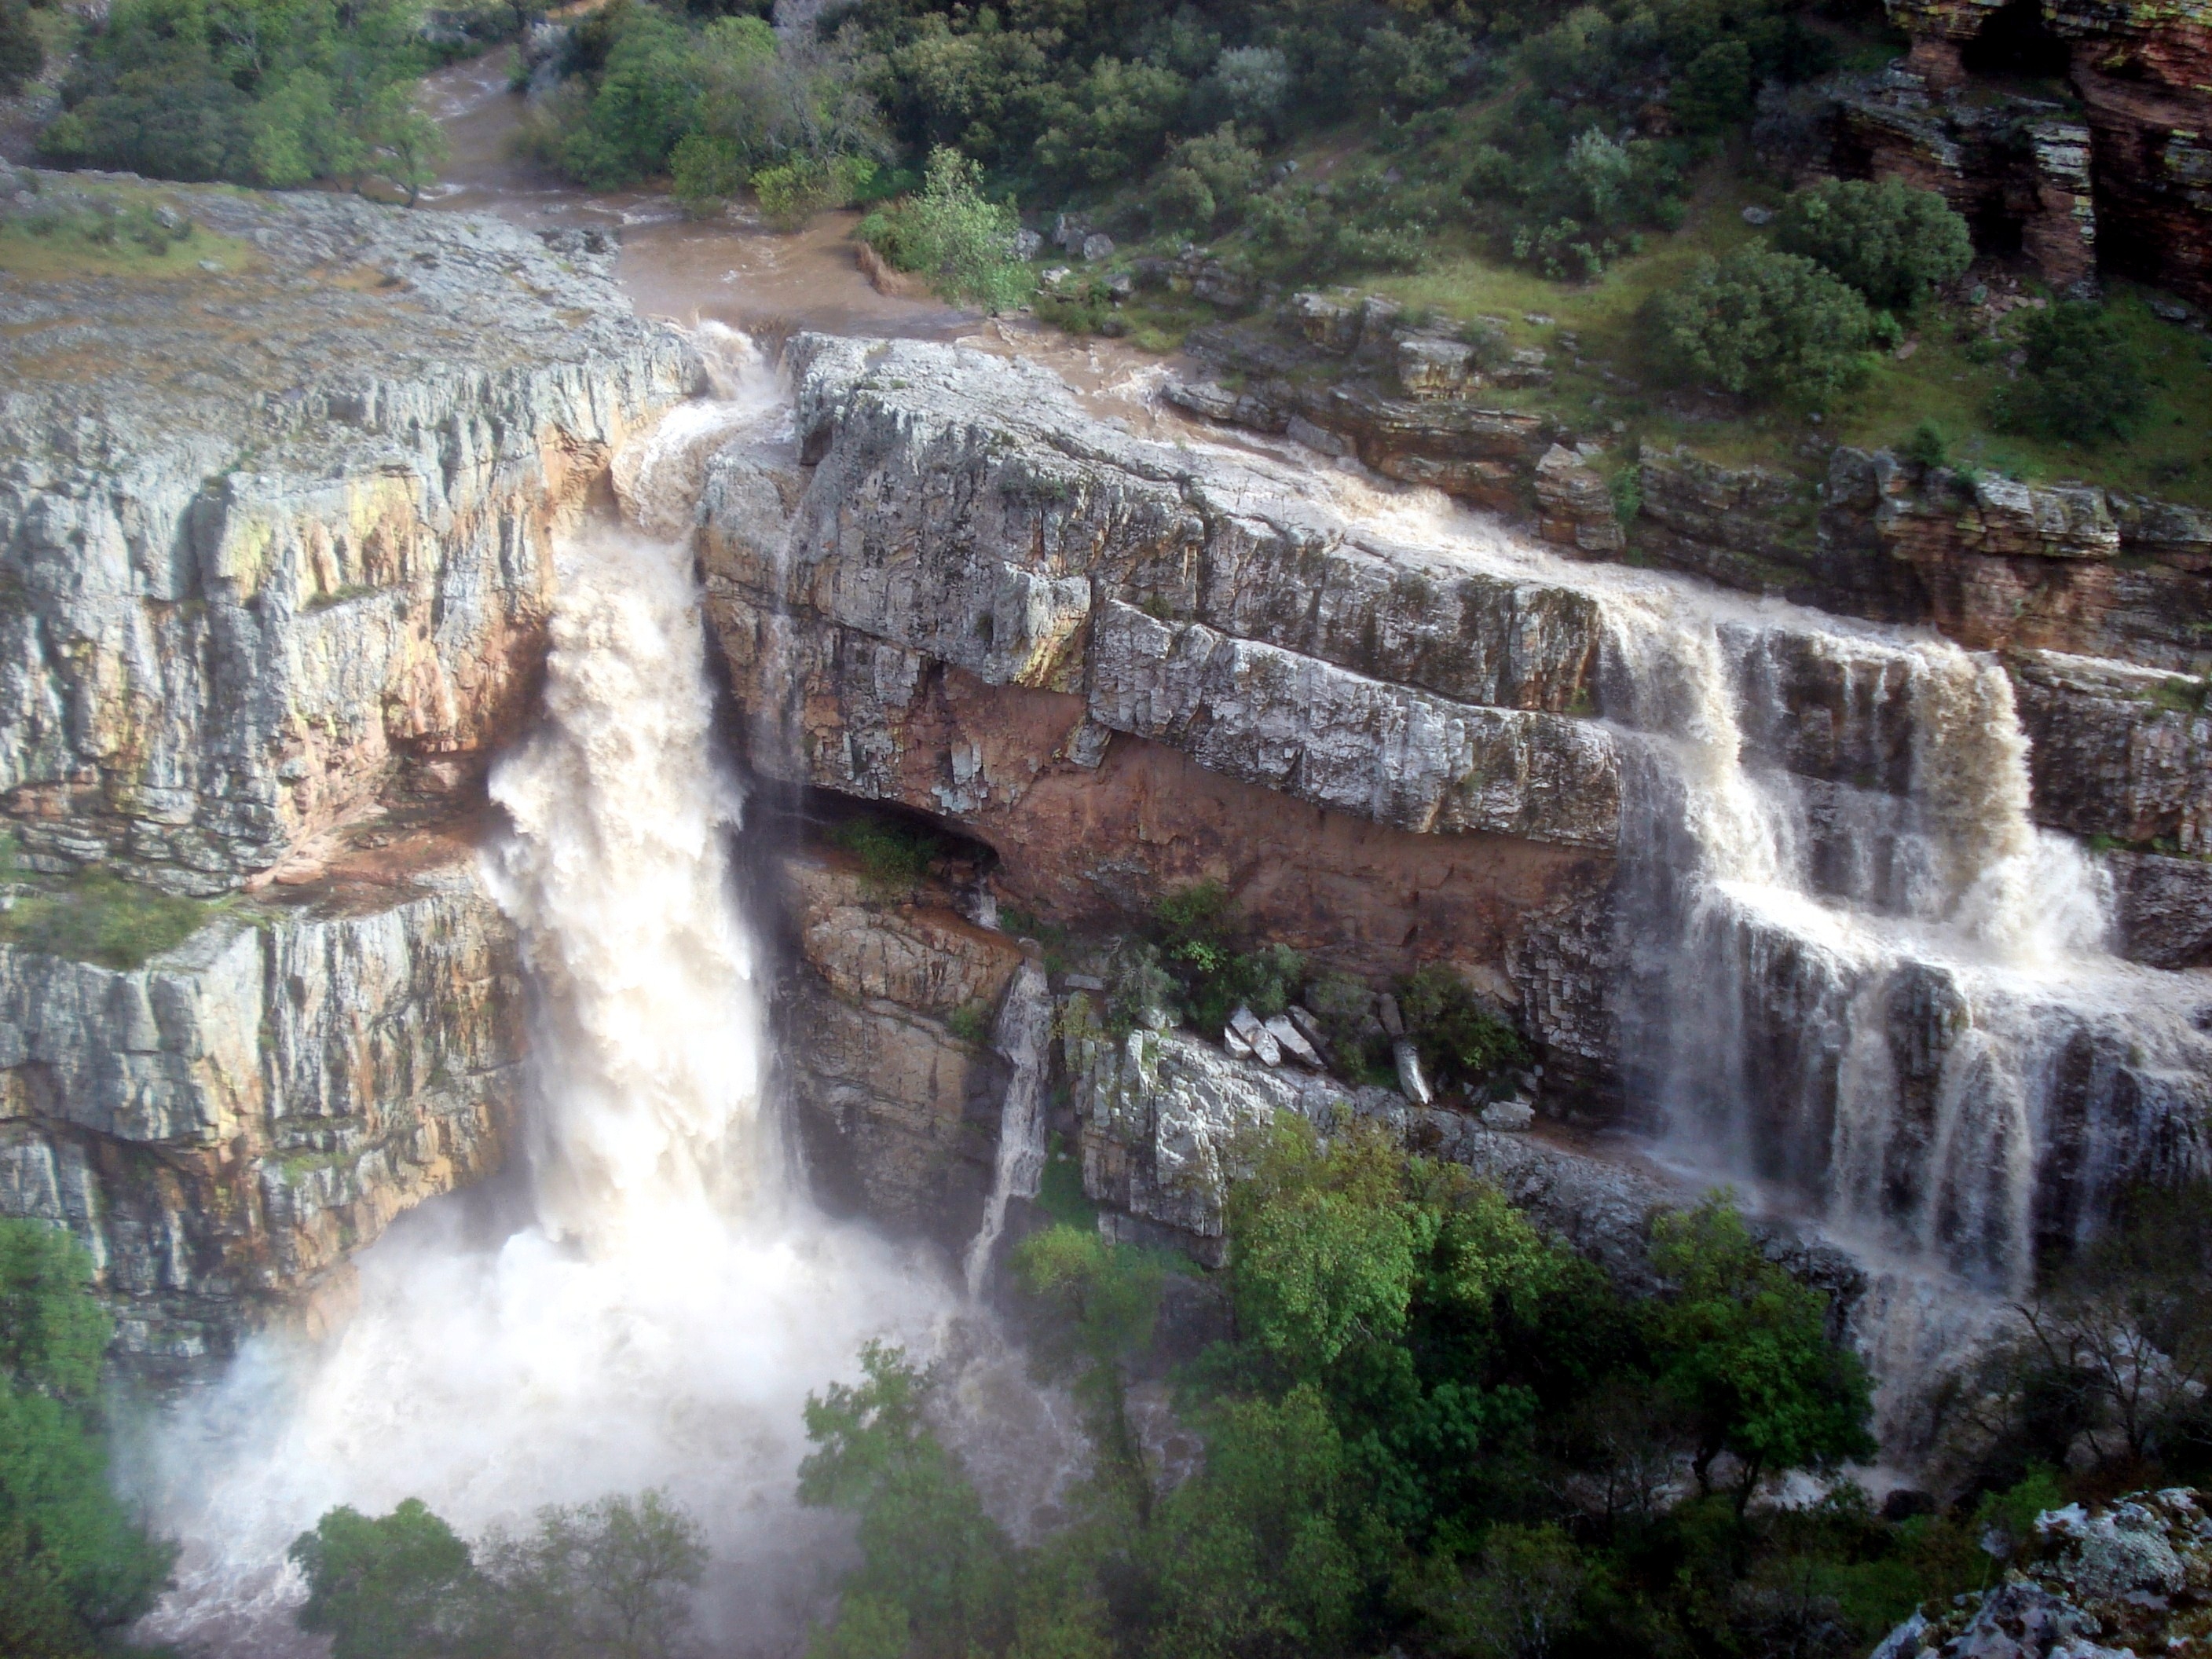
(2133,1576)
(1108,660)
(274,537)
(221,1127)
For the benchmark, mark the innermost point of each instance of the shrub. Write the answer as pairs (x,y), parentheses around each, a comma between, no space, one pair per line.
(1248,87)
(1395,70)
(1601,171)
(961,243)
(1207,179)
(1199,929)
(1714,90)
(706,170)
(22,54)
(894,859)
(1765,324)
(1183,200)
(1925,446)
(2083,380)
(1462,1043)
(1891,242)
(794,191)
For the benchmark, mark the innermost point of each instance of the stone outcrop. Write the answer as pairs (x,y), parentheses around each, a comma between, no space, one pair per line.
(275,564)
(2141,72)
(274,539)
(1103,659)
(898,1110)
(2133,1576)
(2011,162)
(223,1126)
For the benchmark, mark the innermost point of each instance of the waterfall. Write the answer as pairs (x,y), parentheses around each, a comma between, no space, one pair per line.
(1023,1036)
(1857,979)
(667,1303)
(646,1038)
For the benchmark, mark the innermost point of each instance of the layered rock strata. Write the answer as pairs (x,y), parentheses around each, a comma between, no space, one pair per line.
(274,537)
(223,1126)
(276,563)
(1111,663)
(895,1092)
(2141,73)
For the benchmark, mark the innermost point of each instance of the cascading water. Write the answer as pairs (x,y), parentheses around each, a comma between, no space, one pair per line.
(1023,1036)
(1860,982)
(663,1315)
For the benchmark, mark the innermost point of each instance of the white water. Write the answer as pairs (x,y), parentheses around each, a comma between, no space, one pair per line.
(1023,1036)
(662,1313)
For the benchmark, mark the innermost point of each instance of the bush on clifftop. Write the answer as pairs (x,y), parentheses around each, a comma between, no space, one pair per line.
(1767,325)
(1889,241)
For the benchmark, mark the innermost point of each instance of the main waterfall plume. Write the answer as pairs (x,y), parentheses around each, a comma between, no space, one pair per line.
(660,1315)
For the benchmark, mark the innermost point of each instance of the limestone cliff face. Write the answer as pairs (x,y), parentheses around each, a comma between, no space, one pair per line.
(1099,657)
(223,1126)
(2143,72)
(898,1112)
(275,569)
(273,541)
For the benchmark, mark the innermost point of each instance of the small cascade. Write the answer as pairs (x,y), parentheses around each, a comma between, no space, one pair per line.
(1023,1036)
(1858,979)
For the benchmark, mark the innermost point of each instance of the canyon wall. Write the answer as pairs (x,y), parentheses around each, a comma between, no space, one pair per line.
(275,562)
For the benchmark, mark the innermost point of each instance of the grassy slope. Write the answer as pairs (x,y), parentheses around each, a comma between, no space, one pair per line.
(1940,381)
(48,244)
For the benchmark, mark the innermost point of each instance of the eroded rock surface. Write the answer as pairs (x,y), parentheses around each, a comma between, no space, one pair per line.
(223,1126)
(1126,667)
(2133,1576)
(274,540)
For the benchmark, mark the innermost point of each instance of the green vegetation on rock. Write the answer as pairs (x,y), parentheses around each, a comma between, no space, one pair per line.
(95,916)
(76,1566)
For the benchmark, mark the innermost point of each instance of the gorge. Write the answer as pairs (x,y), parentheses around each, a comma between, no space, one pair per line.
(549,1083)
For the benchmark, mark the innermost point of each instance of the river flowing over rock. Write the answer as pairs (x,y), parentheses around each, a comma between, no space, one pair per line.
(497,701)
(668,1299)
(1776,887)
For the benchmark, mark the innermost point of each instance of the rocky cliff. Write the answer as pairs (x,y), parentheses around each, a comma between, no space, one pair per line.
(1123,669)
(273,537)
(223,1126)
(275,558)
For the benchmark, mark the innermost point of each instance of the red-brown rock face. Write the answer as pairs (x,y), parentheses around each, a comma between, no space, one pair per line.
(2143,72)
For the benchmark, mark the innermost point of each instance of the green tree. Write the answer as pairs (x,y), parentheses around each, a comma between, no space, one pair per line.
(1323,1247)
(1891,242)
(1744,1350)
(1765,324)
(2083,380)
(1263,1553)
(611,1579)
(1099,1300)
(75,1564)
(397,1586)
(936,1576)
(22,53)
(962,243)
